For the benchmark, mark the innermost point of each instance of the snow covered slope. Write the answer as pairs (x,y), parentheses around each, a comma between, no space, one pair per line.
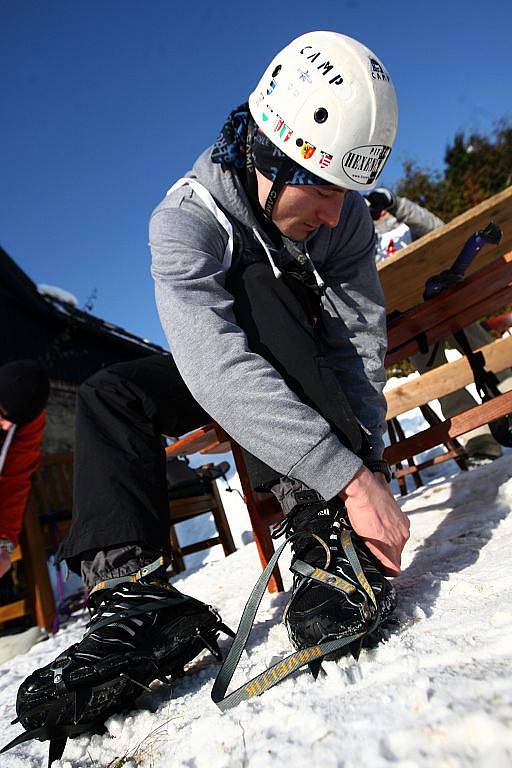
(437,693)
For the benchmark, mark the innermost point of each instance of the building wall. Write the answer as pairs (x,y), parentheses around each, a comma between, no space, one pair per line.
(60,420)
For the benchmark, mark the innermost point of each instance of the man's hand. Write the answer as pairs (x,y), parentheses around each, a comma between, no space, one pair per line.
(376,518)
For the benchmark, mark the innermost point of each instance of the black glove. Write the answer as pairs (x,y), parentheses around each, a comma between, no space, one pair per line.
(381,199)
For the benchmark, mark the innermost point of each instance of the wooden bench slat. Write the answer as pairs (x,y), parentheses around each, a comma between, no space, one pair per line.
(198,546)
(14,610)
(453,309)
(451,428)
(194,442)
(446,379)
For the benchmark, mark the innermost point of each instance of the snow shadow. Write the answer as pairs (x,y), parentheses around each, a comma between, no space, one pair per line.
(475,510)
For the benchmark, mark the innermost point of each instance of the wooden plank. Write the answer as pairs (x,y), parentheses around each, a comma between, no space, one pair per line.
(177,558)
(262,537)
(415,468)
(16,555)
(217,447)
(451,428)
(448,326)
(14,610)
(446,379)
(221,521)
(483,292)
(183,509)
(194,442)
(34,559)
(403,275)
(198,546)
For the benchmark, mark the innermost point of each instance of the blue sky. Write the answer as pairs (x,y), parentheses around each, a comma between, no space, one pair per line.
(105,103)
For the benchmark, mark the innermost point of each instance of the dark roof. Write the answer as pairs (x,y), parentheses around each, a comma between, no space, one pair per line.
(73,343)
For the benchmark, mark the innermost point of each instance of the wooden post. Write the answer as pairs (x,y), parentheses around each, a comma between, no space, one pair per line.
(264,542)
(34,559)
(221,521)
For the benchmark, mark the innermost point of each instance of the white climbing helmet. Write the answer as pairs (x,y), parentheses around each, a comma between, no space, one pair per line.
(329,104)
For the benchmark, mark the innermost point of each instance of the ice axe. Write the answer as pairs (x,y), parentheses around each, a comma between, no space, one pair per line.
(490,235)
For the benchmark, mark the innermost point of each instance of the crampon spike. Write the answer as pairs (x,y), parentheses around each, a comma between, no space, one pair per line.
(82,699)
(136,682)
(212,646)
(36,733)
(16,720)
(355,648)
(227,631)
(372,639)
(178,672)
(57,746)
(315,667)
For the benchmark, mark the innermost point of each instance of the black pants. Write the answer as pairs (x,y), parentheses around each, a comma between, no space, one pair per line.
(120,492)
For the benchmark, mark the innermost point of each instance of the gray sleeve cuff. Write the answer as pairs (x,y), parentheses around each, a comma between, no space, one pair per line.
(327,468)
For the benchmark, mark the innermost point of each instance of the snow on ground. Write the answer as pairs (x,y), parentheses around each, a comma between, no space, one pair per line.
(437,693)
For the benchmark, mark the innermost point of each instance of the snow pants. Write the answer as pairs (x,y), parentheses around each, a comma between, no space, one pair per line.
(120,489)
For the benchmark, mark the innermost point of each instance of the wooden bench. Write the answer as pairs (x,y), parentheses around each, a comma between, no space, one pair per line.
(484,291)
(437,383)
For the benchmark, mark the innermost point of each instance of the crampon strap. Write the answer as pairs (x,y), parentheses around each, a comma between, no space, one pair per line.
(288,665)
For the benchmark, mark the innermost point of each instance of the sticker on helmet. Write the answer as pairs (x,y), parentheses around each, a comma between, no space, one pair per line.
(304,75)
(282,129)
(307,150)
(259,99)
(325,159)
(377,71)
(364,164)
(293,90)
(271,87)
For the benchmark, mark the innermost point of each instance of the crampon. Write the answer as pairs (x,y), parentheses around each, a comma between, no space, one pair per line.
(340,599)
(139,632)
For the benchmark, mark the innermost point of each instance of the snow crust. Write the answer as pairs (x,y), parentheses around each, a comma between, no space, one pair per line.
(437,692)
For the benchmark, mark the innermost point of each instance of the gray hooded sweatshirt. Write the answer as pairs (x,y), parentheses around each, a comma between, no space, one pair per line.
(240,389)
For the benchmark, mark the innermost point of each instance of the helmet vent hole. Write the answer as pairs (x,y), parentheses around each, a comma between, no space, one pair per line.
(276,70)
(299,142)
(321,115)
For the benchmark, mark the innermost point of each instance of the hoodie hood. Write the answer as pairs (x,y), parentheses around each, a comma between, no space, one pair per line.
(225,187)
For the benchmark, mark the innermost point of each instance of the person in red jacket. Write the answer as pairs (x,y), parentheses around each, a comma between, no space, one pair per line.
(24,389)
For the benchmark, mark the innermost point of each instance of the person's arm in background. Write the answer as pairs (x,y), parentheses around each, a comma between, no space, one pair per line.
(419,220)
(15,481)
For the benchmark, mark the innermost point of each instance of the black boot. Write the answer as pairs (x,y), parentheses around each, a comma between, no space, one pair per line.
(332,597)
(139,631)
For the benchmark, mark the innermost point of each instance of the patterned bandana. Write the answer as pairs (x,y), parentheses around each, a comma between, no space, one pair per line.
(229,151)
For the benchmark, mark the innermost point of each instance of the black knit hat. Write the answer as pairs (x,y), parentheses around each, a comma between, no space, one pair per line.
(24,389)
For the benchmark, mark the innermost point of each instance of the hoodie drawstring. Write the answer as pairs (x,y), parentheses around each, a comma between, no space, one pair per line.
(277,272)
(318,278)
